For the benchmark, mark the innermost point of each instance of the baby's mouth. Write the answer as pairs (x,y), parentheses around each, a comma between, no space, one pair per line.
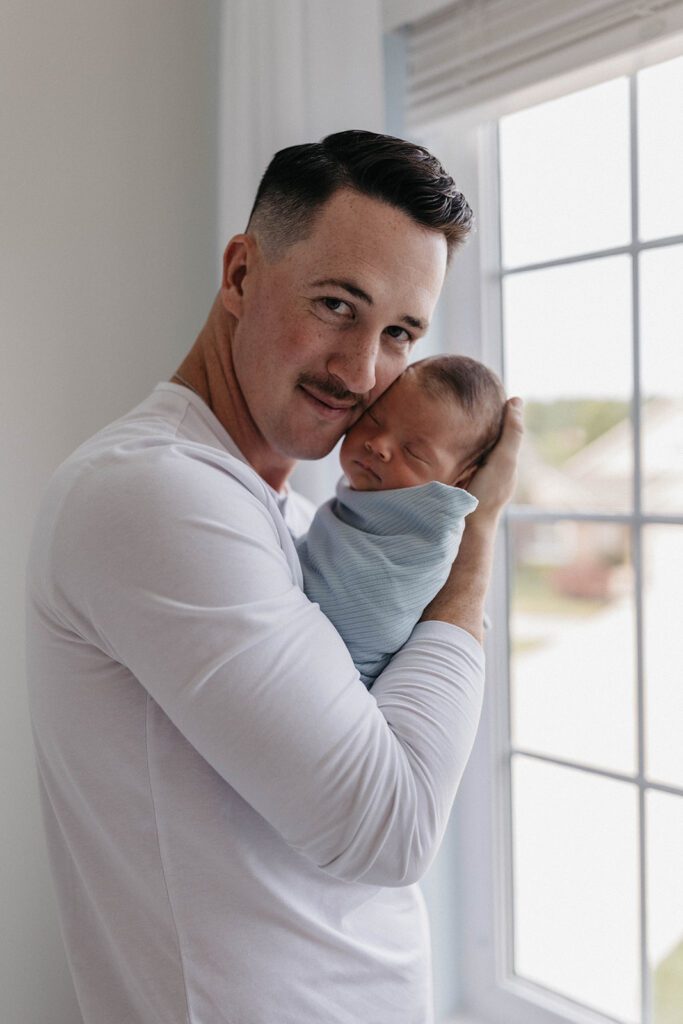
(368,469)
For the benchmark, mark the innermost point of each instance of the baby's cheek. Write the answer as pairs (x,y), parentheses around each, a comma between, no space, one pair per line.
(352,443)
(345,454)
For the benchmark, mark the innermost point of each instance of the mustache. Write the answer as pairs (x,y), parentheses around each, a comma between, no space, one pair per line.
(334,389)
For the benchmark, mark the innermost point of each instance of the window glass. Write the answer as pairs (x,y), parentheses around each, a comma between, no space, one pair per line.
(661,319)
(663,655)
(660,149)
(568,341)
(665,900)
(572,653)
(576,901)
(564,175)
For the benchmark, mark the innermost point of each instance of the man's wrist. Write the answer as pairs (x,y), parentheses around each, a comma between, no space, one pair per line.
(461,599)
(483,521)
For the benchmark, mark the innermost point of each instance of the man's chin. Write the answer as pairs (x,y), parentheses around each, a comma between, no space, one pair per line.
(310,449)
(310,455)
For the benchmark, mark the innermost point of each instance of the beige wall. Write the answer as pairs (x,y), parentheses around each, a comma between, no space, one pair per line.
(108,198)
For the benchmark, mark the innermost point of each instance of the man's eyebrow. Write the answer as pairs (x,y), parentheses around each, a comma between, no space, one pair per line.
(358,293)
(413,321)
(348,286)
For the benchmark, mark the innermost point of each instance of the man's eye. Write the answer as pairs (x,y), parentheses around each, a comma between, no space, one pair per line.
(336,305)
(400,334)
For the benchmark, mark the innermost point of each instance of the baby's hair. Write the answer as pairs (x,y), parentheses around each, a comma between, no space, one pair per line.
(477,389)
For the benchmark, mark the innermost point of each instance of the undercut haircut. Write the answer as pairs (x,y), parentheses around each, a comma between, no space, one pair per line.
(478,391)
(300,179)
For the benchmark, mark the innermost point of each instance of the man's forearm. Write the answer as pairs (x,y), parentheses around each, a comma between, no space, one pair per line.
(461,599)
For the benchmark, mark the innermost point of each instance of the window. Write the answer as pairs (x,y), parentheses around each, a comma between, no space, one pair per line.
(577,911)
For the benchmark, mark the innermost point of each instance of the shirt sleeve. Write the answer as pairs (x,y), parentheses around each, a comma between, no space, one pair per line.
(175,569)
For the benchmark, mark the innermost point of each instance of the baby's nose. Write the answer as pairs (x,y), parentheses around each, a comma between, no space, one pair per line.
(378,449)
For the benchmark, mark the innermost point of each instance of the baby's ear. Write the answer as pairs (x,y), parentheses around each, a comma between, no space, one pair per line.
(465,478)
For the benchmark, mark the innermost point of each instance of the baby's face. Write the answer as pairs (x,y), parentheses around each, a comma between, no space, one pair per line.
(408,437)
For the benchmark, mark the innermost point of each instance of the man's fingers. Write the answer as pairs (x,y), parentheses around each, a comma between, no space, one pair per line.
(494,484)
(507,449)
(513,428)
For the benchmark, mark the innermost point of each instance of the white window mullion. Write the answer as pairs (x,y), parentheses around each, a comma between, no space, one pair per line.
(637,551)
(632,249)
(494,353)
(528,512)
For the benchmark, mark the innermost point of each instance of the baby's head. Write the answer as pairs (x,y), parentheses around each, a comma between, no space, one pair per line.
(437,421)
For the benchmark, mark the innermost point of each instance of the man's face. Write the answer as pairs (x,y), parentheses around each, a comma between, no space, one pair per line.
(409,437)
(323,330)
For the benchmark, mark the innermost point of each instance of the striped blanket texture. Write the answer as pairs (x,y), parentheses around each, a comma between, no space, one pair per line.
(372,560)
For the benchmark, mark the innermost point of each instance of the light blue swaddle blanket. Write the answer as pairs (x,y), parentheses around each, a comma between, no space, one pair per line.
(373,559)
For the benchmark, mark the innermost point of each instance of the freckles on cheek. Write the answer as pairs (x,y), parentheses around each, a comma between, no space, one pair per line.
(386,375)
(308,335)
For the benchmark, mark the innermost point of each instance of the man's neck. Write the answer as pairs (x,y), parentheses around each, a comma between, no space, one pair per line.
(208,369)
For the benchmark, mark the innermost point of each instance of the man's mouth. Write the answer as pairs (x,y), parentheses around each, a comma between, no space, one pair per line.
(329,408)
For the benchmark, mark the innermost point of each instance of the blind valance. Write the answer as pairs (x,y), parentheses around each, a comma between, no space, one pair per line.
(474,51)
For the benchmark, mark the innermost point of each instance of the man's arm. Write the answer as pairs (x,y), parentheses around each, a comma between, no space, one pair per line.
(461,600)
(174,568)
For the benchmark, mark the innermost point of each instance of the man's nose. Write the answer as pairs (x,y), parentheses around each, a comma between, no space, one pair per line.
(355,363)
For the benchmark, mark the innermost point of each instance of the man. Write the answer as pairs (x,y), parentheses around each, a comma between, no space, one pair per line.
(234,823)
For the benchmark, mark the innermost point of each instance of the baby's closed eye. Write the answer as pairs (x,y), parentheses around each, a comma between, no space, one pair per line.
(415,455)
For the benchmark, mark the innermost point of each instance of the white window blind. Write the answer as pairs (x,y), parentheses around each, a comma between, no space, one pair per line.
(474,51)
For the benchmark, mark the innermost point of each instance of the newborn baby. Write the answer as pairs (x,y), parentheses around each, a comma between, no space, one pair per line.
(378,553)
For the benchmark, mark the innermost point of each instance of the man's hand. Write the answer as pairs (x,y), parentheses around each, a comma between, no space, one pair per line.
(494,483)
(461,599)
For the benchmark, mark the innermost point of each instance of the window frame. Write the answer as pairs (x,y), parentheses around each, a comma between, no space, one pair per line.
(472,309)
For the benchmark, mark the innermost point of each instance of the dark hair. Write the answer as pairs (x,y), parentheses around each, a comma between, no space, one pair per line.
(300,179)
(477,389)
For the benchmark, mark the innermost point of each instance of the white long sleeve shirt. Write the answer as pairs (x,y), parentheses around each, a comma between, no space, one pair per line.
(235,825)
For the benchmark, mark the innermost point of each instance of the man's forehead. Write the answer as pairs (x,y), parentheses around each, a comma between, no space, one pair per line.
(363,227)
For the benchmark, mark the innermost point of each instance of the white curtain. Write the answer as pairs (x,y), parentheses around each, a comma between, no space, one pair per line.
(292,71)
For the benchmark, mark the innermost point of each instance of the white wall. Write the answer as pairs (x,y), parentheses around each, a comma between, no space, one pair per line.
(108,197)
(293,71)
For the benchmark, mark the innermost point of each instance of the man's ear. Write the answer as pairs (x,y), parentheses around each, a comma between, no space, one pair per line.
(238,258)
